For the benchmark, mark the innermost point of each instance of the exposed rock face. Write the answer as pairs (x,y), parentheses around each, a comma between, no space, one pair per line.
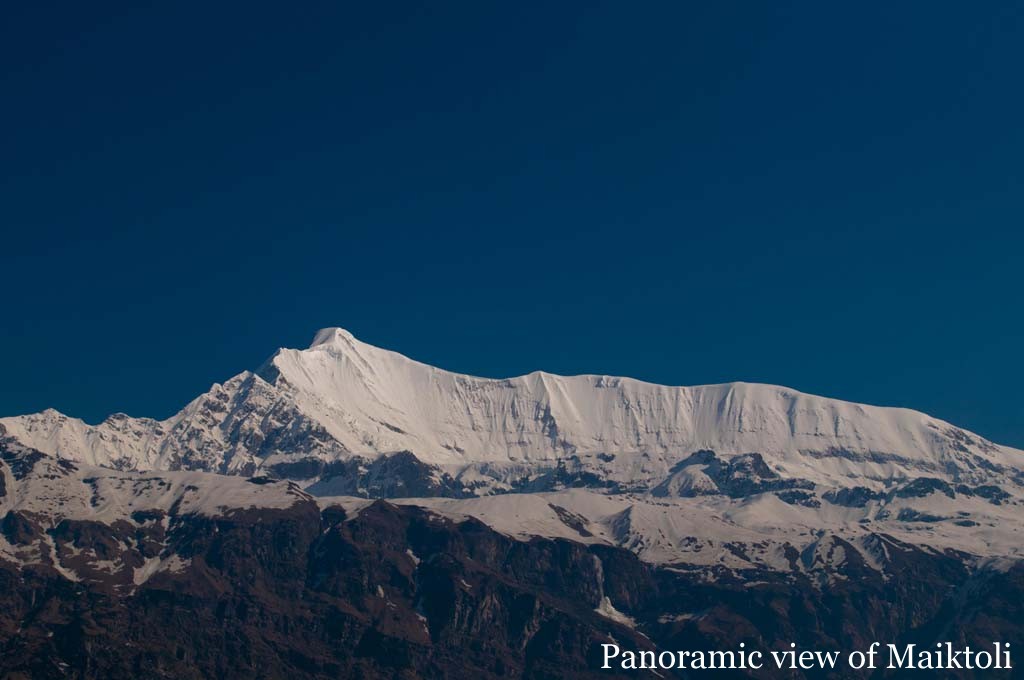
(704,474)
(119,575)
(398,475)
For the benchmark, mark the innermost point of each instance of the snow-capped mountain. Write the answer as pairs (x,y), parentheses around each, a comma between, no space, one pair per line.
(341,407)
(539,513)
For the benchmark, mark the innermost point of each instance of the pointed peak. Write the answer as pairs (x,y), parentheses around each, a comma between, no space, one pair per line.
(332,335)
(338,341)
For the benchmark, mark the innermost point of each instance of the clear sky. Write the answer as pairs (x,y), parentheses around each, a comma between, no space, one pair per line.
(823,195)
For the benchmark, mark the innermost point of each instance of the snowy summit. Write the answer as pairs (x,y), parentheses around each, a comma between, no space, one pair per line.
(342,398)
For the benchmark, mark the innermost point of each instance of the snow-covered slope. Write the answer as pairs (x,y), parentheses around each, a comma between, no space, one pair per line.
(342,398)
(754,532)
(43,499)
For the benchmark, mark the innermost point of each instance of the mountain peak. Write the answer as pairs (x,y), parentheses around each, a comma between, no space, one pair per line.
(332,335)
(343,398)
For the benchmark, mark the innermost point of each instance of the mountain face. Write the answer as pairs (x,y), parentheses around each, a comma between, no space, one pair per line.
(340,405)
(124,574)
(529,520)
(728,475)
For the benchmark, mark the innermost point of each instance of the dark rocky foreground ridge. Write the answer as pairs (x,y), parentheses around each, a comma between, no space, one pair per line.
(302,590)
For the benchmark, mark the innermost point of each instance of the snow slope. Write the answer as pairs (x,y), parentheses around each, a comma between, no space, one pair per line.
(741,533)
(342,398)
(40,494)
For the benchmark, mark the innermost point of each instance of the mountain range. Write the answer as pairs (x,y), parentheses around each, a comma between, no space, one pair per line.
(614,508)
(342,399)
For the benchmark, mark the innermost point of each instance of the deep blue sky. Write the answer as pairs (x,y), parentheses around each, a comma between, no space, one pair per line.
(821,195)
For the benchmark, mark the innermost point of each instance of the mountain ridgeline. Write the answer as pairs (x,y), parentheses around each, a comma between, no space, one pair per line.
(335,413)
(527,521)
